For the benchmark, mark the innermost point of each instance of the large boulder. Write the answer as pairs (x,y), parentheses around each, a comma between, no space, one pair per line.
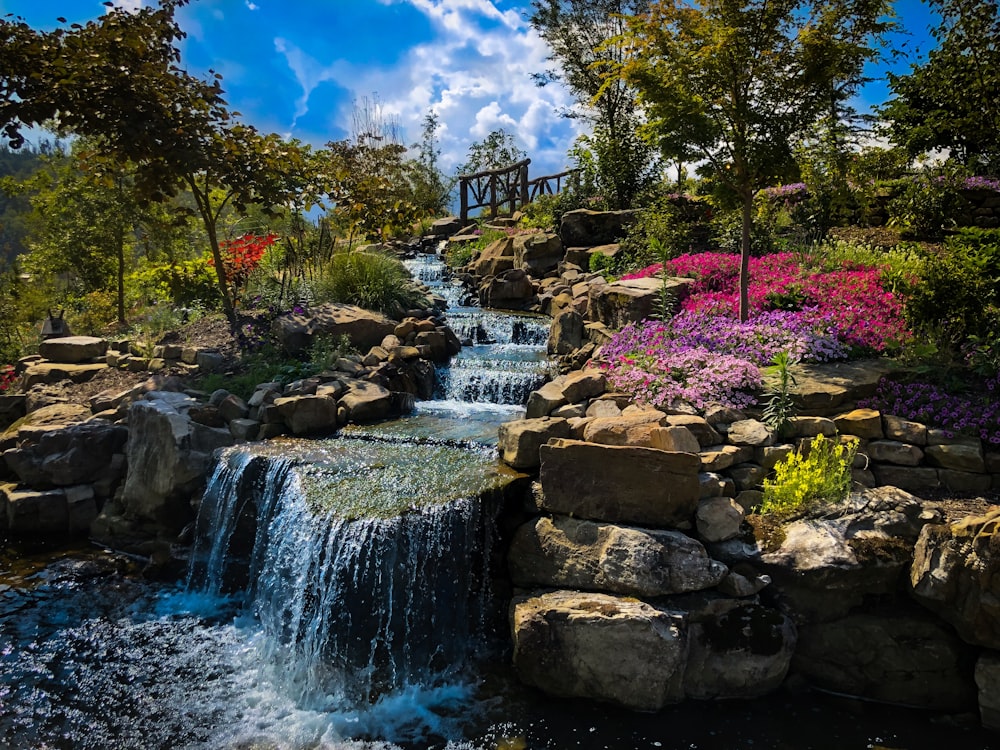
(169,456)
(367,402)
(72,350)
(600,647)
(538,253)
(620,484)
(495,258)
(520,441)
(71,455)
(632,300)
(296,331)
(564,552)
(586,228)
(828,388)
(893,655)
(53,372)
(827,562)
(308,414)
(566,332)
(956,574)
(510,290)
(52,515)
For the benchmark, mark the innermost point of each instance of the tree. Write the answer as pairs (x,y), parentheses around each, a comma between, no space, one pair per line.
(118,80)
(950,101)
(739,80)
(497,150)
(431,190)
(584,38)
(84,212)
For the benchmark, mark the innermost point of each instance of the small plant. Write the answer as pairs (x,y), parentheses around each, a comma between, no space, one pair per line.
(820,475)
(325,350)
(780,407)
(666,300)
(7,378)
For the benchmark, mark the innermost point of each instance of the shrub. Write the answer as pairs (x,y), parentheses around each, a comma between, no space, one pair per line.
(820,475)
(7,378)
(370,280)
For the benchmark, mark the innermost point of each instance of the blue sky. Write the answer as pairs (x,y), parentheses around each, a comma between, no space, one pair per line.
(295,67)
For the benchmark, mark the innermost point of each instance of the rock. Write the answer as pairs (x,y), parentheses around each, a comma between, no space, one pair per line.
(495,259)
(509,290)
(807,427)
(894,655)
(71,455)
(581,385)
(893,452)
(988,682)
(73,350)
(207,360)
(903,430)
(633,300)
(865,424)
(562,552)
(566,332)
(233,407)
(744,652)
(747,476)
(600,647)
(55,514)
(445,227)
(830,560)
(619,484)
(308,414)
(699,427)
(911,479)
(604,407)
(585,228)
(367,402)
(956,574)
(364,328)
(543,401)
(749,432)
(169,456)
(519,441)
(537,253)
(244,429)
(966,456)
(673,438)
(737,584)
(831,387)
(50,417)
(722,457)
(718,519)
(50,372)
(629,429)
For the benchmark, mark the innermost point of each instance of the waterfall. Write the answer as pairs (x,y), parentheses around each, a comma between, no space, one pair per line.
(360,605)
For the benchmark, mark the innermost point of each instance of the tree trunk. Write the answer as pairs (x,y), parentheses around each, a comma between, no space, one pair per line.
(120,242)
(745,256)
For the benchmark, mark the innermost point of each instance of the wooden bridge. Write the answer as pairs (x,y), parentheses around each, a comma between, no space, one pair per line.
(507,186)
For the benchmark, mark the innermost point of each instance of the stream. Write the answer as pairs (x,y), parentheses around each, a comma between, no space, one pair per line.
(344,593)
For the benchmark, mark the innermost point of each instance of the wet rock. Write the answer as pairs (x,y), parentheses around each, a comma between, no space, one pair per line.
(895,656)
(367,402)
(956,574)
(744,652)
(620,484)
(600,647)
(71,455)
(562,552)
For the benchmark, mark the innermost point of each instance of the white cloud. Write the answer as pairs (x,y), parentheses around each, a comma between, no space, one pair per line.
(475,74)
(252,6)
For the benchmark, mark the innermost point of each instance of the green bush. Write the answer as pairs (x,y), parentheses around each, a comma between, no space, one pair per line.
(956,303)
(670,226)
(820,475)
(926,204)
(370,280)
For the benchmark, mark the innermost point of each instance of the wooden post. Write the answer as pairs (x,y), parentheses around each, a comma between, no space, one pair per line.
(463,213)
(494,206)
(525,197)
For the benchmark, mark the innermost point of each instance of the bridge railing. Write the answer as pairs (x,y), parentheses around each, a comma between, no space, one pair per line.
(507,186)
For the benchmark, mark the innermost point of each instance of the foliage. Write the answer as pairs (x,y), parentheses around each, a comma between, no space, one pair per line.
(497,150)
(241,257)
(118,80)
(585,37)
(738,80)
(924,205)
(821,475)
(430,188)
(957,298)
(189,283)
(373,195)
(976,415)
(370,280)
(673,223)
(949,101)
(780,405)
(7,378)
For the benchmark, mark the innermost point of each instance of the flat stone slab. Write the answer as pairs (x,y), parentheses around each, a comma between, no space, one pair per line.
(72,350)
